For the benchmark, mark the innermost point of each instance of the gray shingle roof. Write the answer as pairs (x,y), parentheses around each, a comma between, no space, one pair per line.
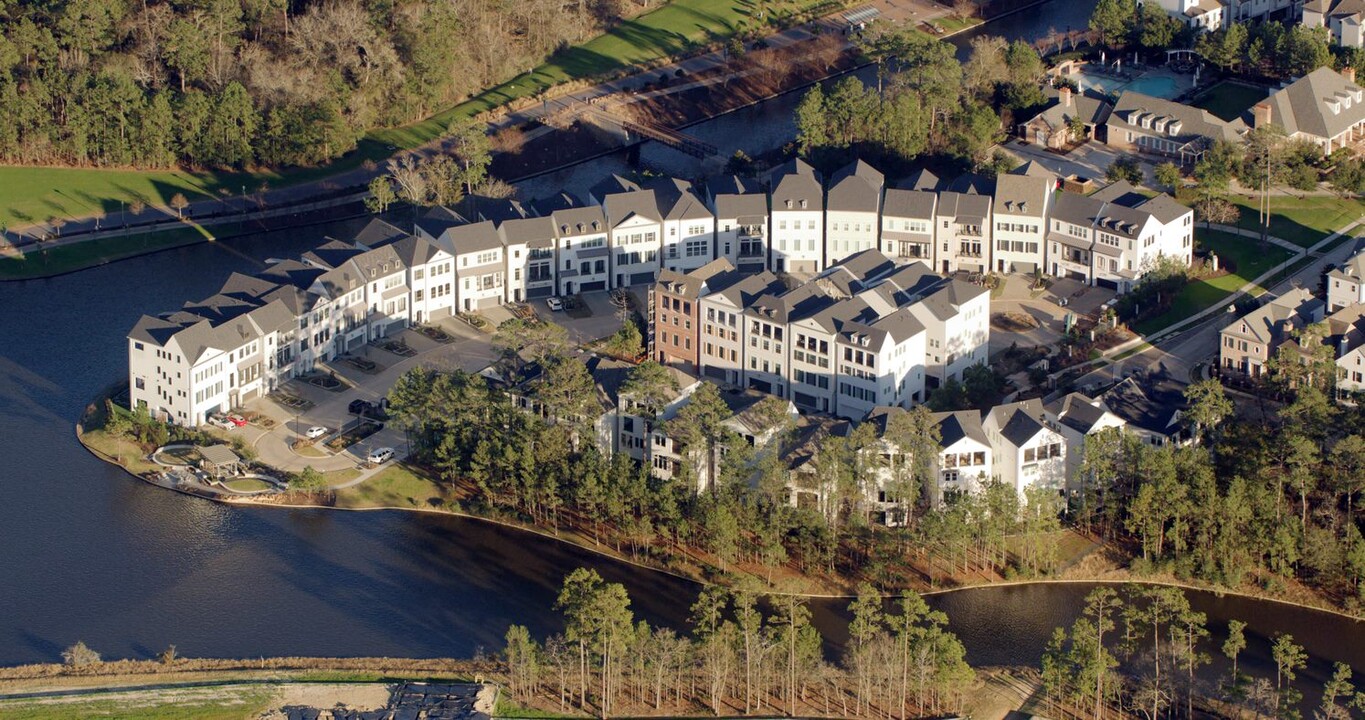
(857,187)
(913,204)
(1305,106)
(1171,120)
(1022,195)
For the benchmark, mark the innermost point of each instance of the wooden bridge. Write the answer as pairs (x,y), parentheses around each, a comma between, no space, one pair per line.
(605,112)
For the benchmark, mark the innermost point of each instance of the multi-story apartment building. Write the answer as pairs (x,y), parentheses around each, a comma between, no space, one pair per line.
(1020,221)
(853,211)
(1346,283)
(581,247)
(675,312)
(908,226)
(741,215)
(634,238)
(689,227)
(1115,236)
(797,220)
(1237,11)
(1076,416)
(1027,449)
(1248,342)
(962,228)
(1344,20)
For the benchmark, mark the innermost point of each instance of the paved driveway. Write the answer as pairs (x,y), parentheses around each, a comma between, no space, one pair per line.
(470,351)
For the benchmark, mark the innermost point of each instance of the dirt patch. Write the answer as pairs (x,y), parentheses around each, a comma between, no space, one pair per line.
(353,696)
(1013,322)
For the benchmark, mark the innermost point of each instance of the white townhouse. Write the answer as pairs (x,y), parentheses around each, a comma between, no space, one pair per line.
(582,249)
(1076,416)
(689,227)
(1027,450)
(1197,14)
(722,328)
(908,225)
(1346,282)
(1242,10)
(480,265)
(963,463)
(741,224)
(1021,207)
(1115,236)
(431,278)
(797,221)
(852,211)
(880,363)
(634,237)
(530,244)
(764,328)
(962,228)
(1344,20)
(956,317)
(641,437)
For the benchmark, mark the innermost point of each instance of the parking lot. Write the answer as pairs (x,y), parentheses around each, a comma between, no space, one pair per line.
(1044,308)
(597,318)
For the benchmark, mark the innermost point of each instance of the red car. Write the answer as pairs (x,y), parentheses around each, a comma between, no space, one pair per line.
(237,420)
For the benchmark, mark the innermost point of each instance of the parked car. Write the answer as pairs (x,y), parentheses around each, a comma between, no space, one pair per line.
(379,456)
(315,432)
(221,421)
(237,420)
(357,407)
(555,304)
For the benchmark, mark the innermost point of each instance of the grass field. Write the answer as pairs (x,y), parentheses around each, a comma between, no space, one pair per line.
(1250,261)
(43,262)
(1228,99)
(228,703)
(396,486)
(32,195)
(248,485)
(1302,221)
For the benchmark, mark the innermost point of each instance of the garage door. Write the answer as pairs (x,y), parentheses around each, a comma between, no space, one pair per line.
(593,286)
(1111,284)
(643,278)
(539,292)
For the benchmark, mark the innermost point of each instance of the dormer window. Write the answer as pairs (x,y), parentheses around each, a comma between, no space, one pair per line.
(1334,106)
(789,204)
(803,204)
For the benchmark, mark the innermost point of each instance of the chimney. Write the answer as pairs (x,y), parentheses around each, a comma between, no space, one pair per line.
(1349,72)
(1064,96)
(1260,113)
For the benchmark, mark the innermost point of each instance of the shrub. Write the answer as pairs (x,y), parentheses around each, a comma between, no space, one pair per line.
(80,655)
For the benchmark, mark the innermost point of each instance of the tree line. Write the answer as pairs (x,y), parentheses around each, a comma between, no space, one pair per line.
(234,83)
(925,102)
(1138,650)
(745,652)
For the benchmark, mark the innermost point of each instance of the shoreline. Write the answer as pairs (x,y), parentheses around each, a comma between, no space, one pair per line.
(605,553)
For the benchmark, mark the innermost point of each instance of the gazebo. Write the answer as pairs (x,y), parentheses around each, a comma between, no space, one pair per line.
(219,460)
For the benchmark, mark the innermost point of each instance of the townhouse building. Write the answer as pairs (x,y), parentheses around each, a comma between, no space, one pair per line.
(1115,236)
(530,244)
(1077,416)
(741,216)
(956,317)
(675,312)
(1152,408)
(853,211)
(908,226)
(1027,449)
(1346,328)
(1344,20)
(430,277)
(1249,342)
(723,336)
(962,226)
(634,236)
(963,463)
(480,264)
(689,226)
(797,220)
(1021,204)
(1237,11)
(581,250)
(1198,14)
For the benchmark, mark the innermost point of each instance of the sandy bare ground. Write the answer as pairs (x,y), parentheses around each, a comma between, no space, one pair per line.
(353,696)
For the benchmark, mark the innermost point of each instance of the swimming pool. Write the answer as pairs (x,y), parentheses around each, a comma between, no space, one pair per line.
(1154,85)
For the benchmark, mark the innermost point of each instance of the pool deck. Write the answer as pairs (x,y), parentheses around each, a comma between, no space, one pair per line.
(1171,84)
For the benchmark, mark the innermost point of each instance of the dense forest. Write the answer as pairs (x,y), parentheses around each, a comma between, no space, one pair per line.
(1135,651)
(232,83)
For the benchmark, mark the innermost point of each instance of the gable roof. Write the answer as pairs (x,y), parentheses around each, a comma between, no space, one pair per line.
(857,187)
(957,425)
(1171,120)
(1267,323)
(1151,404)
(1022,194)
(797,182)
(1306,105)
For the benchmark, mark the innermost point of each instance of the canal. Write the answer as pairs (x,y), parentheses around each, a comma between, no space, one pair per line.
(92,554)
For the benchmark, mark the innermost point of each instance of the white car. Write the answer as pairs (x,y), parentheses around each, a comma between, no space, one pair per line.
(315,432)
(379,456)
(554,304)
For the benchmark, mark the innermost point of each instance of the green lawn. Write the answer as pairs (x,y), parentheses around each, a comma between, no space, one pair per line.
(229,703)
(1302,221)
(1228,99)
(33,195)
(1244,254)
(398,485)
(248,485)
(39,262)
